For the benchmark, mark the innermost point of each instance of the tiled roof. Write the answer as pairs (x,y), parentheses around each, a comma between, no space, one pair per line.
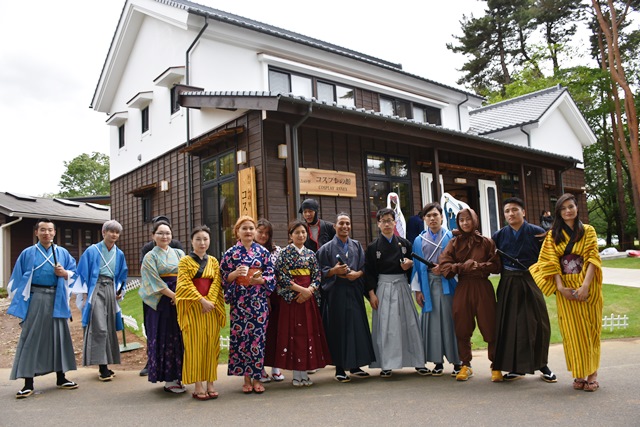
(18,205)
(355,110)
(251,24)
(514,112)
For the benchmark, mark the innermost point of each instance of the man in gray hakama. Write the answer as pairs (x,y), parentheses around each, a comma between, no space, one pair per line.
(39,289)
(395,330)
(103,275)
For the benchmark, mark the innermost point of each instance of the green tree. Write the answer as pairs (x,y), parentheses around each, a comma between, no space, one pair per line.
(86,175)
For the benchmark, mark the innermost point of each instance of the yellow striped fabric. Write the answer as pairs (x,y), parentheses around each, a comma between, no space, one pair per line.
(580,322)
(300,272)
(200,331)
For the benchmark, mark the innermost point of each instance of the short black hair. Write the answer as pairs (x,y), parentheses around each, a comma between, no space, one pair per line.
(517,200)
(385,211)
(429,207)
(35,227)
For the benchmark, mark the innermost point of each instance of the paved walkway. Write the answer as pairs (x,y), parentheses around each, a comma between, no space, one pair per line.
(402,400)
(621,276)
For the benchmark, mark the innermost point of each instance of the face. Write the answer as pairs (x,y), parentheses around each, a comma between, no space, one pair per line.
(434,220)
(386,224)
(343,226)
(162,236)
(513,214)
(466,223)
(45,232)
(308,215)
(247,231)
(200,241)
(299,236)
(569,211)
(262,235)
(110,236)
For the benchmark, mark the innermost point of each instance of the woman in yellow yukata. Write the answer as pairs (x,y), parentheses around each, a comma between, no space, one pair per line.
(201,314)
(569,265)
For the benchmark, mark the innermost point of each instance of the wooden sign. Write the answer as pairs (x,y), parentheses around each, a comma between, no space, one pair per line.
(327,183)
(247,192)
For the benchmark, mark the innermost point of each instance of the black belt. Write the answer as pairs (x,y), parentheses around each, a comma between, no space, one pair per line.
(35,285)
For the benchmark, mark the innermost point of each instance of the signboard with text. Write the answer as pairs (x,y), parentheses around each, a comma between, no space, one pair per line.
(247,192)
(327,182)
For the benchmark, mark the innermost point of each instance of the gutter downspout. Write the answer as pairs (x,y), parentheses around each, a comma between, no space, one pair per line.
(2,259)
(459,115)
(528,136)
(296,172)
(188,122)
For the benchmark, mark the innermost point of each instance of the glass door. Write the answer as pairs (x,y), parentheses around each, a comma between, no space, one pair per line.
(219,201)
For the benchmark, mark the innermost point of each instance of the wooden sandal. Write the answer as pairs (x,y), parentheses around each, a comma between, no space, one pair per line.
(591,386)
(579,384)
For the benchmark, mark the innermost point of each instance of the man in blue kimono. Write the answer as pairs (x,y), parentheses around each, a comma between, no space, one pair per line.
(39,291)
(102,272)
(343,312)
(523,330)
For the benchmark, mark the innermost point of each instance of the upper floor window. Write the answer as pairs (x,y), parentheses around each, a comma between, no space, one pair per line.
(144,116)
(401,108)
(121,136)
(286,82)
(175,98)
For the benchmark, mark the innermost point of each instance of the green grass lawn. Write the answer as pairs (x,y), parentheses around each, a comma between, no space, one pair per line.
(619,300)
(628,262)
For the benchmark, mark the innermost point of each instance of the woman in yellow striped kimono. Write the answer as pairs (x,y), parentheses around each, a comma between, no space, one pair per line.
(569,265)
(201,314)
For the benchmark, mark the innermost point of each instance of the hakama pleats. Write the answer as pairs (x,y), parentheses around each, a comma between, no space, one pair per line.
(438,331)
(395,329)
(100,338)
(45,342)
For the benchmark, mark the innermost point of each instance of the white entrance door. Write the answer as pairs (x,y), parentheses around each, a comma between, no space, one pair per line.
(489,210)
(426,181)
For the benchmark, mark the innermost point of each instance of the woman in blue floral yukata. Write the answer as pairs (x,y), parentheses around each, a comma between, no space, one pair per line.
(248,275)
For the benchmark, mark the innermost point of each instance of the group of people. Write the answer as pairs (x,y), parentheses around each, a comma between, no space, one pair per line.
(302,307)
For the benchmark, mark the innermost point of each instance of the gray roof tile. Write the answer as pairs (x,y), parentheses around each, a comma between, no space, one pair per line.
(513,112)
(17,205)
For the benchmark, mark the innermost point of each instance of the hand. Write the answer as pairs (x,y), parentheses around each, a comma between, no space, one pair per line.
(60,271)
(341,270)
(568,293)
(406,264)
(173,298)
(420,298)
(373,300)
(582,293)
(435,270)
(207,305)
(303,295)
(259,280)
(353,275)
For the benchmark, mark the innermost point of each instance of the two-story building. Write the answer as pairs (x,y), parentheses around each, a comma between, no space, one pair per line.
(213,115)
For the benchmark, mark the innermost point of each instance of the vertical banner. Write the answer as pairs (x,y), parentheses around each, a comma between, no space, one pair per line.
(248,204)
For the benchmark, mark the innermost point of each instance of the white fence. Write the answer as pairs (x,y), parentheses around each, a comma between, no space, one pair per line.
(615,322)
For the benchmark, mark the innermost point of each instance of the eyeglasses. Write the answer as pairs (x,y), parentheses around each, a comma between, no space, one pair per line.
(386,221)
(163,234)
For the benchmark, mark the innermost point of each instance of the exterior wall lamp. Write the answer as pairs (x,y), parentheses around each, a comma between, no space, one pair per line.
(241,157)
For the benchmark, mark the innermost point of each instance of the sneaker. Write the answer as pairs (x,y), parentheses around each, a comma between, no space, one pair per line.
(496,376)
(385,373)
(438,370)
(278,377)
(423,371)
(512,376)
(465,373)
(456,370)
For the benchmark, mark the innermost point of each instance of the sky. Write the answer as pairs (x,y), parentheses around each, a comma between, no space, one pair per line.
(52,53)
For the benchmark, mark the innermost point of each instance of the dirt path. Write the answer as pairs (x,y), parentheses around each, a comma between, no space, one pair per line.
(10,332)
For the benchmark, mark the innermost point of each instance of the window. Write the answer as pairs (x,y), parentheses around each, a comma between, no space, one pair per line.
(88,238)
(387,174)
(175,98)
(400,108)
(146,207)
(121,136)
(69,238)
(219,197)
(144,119)
(510,185)
(286,82)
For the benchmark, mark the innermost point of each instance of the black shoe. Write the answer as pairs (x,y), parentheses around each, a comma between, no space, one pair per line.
(456,370)
(423,371)
(512,376)
(386,373)
(144,371)
(357,372)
